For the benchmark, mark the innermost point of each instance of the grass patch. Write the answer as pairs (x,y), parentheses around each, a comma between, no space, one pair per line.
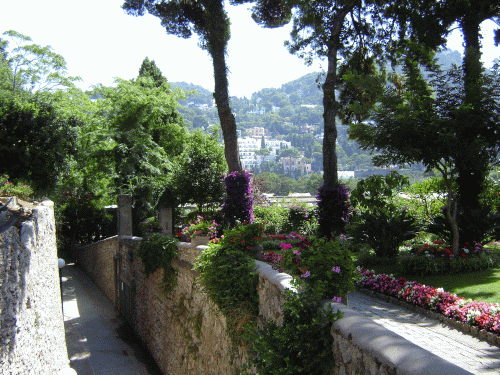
(481,286)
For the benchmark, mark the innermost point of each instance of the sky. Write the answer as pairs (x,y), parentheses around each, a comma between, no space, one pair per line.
(99,42)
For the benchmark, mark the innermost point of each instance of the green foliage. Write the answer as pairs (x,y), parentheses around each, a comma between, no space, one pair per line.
(424,200)
(377,191)
(20,190)
(242,237)
(32,68)
(147,133)
(229,278)
(272,218)
(197,177)
(303,343)
(411,264)
(384,229)
(150,225)
(381,224)
(149,69)
(36,142)
(297,218)
(157,251)
(81,220)
(330,264)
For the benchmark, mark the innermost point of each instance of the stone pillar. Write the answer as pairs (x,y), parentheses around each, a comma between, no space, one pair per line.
(166,220)
(124,215)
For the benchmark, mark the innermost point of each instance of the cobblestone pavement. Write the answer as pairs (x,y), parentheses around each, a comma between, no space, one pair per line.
(451,344)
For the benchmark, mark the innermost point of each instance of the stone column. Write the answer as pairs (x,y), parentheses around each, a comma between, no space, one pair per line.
(166,220)
(124,215)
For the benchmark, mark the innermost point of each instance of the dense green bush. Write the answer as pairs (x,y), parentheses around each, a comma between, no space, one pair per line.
(438,259)
(299,219)
(383,229)
(329,263)
(81,220)
(303,343)
(272,218)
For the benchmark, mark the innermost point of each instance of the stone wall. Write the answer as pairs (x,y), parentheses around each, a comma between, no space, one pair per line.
(184,331)
(187,334)
(98,261)
(31,321)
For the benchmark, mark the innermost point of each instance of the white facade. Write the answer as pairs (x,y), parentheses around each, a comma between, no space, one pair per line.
(247,147)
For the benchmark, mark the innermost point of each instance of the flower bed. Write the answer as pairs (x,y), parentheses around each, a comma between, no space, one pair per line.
(437,258)
(484,316)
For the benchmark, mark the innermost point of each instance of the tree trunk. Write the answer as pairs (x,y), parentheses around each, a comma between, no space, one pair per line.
(330,176)
(472,165)
(217,42)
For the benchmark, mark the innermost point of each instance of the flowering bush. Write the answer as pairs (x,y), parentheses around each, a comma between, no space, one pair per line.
(333,209)
(242,238)
(149,225)
(238,200)
(200,226)
(317,260)
(8,189)
(437,258)
(481,314)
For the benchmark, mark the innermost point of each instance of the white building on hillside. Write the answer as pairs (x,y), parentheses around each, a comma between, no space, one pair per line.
(247,147)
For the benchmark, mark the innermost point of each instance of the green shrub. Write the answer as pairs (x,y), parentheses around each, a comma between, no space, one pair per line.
(330,263)
(438,259)
(296,219)
(303,343)
(81,220)
(10,189)
(384,229)
(272,218)
(242,238)
(230,279)
(157,251)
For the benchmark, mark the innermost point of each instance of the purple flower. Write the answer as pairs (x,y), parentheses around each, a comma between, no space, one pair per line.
(304,275)
(336,269)
(336,299)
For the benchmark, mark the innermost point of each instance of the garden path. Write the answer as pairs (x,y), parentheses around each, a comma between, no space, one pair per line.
(98,340)
(451,344)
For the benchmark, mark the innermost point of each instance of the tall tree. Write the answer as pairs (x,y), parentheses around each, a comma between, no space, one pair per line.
(33,68)
(330,29)
(428,22)
(209,20)
(149,69)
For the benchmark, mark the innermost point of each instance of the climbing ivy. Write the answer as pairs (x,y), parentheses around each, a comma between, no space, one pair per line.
(157,251)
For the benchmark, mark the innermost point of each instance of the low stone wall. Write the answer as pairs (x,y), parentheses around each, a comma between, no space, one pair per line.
(187,334)
(97,260)
(31,321)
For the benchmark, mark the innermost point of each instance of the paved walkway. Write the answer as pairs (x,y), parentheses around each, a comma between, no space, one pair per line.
(98,340)
(100,343)
(451,344)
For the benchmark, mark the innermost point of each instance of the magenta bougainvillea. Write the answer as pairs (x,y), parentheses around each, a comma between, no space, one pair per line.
(333,209)
(238,203)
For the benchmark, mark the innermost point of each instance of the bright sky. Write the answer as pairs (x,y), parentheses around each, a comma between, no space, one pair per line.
(99,42)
